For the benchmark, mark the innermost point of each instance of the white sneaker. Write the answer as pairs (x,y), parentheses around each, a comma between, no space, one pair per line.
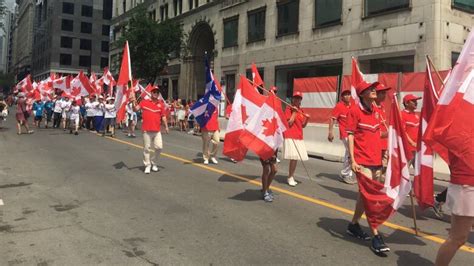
(214,161)
(154,168)
(292,182)
(278,160)
(147,169)
(206,161)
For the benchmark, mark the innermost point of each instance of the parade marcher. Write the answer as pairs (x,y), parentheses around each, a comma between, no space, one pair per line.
(381,90)
(210,139)
(99,114)
(74,118)
(153,112)
(22,114)
(57,111)
(65,108)
(268,174)
(411,121)
(294,148)
(38,107)
(363,127)
(339,114)
(181,115)
(48,109)
(3,110)
(131,120)
(90,112)
(110,114)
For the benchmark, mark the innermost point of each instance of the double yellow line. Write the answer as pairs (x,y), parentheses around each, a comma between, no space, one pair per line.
(433,238)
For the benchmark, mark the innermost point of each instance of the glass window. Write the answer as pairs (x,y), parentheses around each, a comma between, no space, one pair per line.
(231,31)
(67,25)
(85,44)
(107,9)
(256,25)
(68,8)
(65,59)
(230,85)
(288,13)
(86,11)
(466,5)
(374,7)
(105,46)
(391,64)
(66,42)
(190,3)
(454,58)
(86,27)
(104,62)
(84,61)
(105,30)
(327,12)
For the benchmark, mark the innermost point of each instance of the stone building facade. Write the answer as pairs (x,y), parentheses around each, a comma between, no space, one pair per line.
(23,38)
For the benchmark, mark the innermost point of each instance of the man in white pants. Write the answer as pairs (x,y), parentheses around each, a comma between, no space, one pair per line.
(153,113)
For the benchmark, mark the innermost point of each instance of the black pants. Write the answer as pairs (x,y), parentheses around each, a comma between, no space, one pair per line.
(57,120)
(90,122)
(441,197)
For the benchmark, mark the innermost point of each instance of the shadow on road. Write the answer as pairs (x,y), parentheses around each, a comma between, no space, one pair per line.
(337,228)
(226,178)
(343,193)
(410,258)
(328,176)
(121,165)
(248,195)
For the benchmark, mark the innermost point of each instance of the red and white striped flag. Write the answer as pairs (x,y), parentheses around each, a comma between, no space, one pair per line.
(125,77)
(319,97)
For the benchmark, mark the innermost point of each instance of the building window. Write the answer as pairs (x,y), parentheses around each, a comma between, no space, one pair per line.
(85,44)
(67,25)
(231,31)
(104,62)
(256,25)
(175,7)
(66,42)
(390,64)
(454,58)
(105,46)
(86,27)
(68,8)
(178,7)
(107,9)
(327,12)
(84,61)
(288,16)
(190,3)
(466,5)
(164,12)
(230,85)
(86,11)
(105,30)
(65,59)
(375,7)
(196,3)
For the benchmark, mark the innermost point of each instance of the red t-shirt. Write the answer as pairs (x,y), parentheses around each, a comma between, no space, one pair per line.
(212,124)
(365,126)
(411,123)
(339,113)
(152,113)
(383,125)
(296,130)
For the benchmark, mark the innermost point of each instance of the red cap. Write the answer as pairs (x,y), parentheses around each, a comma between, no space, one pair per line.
(346,90)
(298,94)
(382,87)
(363,85)
(410,97)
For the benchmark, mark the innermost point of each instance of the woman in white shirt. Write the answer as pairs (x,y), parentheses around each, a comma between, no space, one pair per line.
(74,116)
(110,114)
(65,106)
(99,114)
(131,120)
(90,112)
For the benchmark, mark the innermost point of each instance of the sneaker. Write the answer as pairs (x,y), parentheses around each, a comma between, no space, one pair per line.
(214,161)
(347,179)
(147,169)
(278,160)
(292,182)
(437,209)
(378,245)
(129,135)
(267,197)
(233,160)
(76,133)
(356,231)
(70,131)
(206,161)
(155,168)
(134,136)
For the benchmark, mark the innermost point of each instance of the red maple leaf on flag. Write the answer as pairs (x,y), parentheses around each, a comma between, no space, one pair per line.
(76,91)
(270,126)
(244,113)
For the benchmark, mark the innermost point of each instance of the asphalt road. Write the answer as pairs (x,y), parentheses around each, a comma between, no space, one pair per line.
(84,200)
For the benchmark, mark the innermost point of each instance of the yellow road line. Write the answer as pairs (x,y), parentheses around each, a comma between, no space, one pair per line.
(326,204)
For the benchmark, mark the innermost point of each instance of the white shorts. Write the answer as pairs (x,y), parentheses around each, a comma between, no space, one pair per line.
(294,149)
(460,200)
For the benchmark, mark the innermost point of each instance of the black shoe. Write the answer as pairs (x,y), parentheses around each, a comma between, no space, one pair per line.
(355,231)
(75,133)
(70,131)
(378,245)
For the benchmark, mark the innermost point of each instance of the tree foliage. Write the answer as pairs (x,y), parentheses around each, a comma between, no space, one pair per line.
(151,44)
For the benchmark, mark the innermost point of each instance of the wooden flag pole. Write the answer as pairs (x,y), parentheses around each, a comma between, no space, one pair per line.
(435,70)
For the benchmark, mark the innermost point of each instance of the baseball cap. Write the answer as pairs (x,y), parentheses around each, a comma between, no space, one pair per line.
(346,90)
(410,97)
(382,87)
(363,85)
(298,94)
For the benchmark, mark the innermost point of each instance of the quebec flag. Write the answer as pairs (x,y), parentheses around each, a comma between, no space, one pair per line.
(205,107)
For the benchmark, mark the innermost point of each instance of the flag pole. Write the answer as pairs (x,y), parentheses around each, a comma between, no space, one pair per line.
(435,70)
(414,212)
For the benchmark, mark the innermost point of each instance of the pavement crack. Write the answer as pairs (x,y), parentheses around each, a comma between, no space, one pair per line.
(21,184)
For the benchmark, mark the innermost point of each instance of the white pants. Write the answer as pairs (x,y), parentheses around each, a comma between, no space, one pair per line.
(213,137)
(346,167)
(152,146)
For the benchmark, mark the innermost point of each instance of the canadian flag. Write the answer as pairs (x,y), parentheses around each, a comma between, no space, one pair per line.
(146,92)
(25,84)
(382,200)
(80,86)
(246,101)
(257,80)
(264,132)
(63,84)
(424,161)
(451,124)
(108,78)
(357,77)
(125,77)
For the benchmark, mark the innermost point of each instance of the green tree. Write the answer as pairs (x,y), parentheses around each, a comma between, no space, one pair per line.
(151,44)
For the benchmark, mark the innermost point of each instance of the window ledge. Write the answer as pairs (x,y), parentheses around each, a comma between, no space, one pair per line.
(387,12)
(461,9)
(256,41)
(230,46)
(287,34)
(332,24)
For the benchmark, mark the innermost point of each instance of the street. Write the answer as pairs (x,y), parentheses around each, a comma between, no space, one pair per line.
(84,200)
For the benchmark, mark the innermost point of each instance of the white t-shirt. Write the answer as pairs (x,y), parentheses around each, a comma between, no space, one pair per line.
(110,111)
(89,109)
(75,111)
(65,105)
(57,106)
(99,108)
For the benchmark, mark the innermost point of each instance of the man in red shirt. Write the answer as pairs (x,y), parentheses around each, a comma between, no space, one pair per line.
(210,133)
(293,145)
(411,121)
(363,127)
(153,112)
(380,109)
(339,114)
